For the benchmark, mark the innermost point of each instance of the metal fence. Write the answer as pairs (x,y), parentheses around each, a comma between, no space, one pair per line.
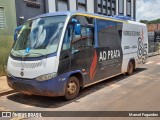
(153,48)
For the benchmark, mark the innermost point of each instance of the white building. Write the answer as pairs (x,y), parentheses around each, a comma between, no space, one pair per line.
(105,7)
(22,10)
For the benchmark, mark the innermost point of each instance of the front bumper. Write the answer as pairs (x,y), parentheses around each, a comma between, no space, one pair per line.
(52,87)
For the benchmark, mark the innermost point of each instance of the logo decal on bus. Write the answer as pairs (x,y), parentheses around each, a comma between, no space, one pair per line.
(131,33)
(27,50)
(22,73)
(142,53)
(93,66)
(111,54)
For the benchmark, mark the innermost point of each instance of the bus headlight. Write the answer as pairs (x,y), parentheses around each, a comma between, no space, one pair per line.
(46,77)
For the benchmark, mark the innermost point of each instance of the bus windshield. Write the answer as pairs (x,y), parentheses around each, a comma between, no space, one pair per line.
(39,36)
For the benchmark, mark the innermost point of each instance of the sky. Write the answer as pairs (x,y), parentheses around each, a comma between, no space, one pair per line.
(148,9)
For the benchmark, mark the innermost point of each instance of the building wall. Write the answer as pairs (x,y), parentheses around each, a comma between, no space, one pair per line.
(28,9)
(7,26)
(51,6)
(153,27)
(9,17)
(151,31)
(90,6)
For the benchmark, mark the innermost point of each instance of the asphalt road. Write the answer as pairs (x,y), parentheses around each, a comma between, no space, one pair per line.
(138,92)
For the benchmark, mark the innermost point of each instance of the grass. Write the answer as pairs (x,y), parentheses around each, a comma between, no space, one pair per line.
(6,42)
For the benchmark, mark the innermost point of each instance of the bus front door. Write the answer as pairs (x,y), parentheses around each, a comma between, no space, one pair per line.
(82,52)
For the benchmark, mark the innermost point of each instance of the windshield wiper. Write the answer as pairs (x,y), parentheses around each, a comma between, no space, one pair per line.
(35,53)
(27,54)
(20,54)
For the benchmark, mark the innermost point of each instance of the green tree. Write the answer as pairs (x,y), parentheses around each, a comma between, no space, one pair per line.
(143,21)
(151,21)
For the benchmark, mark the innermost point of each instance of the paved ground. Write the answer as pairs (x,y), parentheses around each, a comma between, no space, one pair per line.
(3,83)
(138,92)
(4,88)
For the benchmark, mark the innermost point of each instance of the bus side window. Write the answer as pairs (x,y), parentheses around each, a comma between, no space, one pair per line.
(76,43)
(83,41)
(87,37)
(120,35)
(67,38)
(65,51)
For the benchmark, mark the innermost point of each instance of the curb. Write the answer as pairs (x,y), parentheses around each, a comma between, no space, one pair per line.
(153,54)
(7,92)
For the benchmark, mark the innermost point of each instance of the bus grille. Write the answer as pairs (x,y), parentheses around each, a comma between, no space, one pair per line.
(27,65)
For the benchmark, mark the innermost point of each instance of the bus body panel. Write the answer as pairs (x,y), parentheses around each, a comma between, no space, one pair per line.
(134,44)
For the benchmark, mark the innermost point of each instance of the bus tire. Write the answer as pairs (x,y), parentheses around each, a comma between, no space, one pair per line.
(130,68)
(72,88)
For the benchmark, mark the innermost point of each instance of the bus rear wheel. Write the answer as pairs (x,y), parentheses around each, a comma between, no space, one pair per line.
(72,88)
(130,68)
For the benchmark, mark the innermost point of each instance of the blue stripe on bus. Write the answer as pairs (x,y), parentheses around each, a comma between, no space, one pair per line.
(95,33)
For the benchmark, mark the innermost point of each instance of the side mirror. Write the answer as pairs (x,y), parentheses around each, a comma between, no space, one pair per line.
(77,29)
(74,20)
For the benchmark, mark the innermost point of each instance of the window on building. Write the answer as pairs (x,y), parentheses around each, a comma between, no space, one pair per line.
(121,7)
(62,5)
(134,9)
(100,7)
(2,18)
(106,7)
(82,5)
(113,12)
(109,3)
(113,4)
(128,8)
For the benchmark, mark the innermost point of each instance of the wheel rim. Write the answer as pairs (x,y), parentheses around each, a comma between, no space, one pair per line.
(72,88)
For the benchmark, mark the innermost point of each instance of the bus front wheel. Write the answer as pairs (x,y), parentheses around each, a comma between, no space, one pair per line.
(72,88)
(130,68)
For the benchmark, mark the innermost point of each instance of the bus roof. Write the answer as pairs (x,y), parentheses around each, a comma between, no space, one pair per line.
(70,13)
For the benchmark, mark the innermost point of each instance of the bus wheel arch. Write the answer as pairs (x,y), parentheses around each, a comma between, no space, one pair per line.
(131,66)
(74,82)
(79,77)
